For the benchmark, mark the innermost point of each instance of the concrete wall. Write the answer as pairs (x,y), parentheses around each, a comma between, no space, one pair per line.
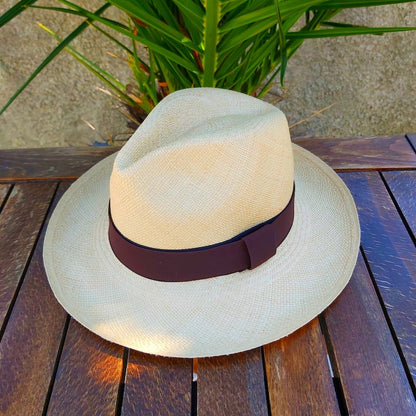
(370,81)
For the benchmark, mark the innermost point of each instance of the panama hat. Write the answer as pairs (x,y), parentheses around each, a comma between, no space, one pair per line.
(208,233)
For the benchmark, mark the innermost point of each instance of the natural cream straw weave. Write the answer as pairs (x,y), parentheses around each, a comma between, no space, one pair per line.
(206,165)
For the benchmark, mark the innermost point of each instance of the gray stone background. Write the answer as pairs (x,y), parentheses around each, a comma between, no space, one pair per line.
(369,82)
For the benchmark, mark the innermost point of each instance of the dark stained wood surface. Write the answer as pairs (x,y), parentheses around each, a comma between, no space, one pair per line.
(20,222)
(360,153)
(157,385)
(51,365)
(50,163)
(391,255)
(296,366)
(89,374)
(239,376)
(368,363)
(363,153)
(31,340)
(403,187)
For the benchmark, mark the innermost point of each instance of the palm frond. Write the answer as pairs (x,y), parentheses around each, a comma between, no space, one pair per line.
(233,44)
(345,31)
(14,11)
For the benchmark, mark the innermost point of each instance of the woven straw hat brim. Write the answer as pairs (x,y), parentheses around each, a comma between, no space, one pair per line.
(221,315)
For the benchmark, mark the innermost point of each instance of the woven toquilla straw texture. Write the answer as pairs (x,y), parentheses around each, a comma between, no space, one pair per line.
(220,315)
(206,165)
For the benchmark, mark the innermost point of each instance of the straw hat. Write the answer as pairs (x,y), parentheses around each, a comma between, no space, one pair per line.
(207,171)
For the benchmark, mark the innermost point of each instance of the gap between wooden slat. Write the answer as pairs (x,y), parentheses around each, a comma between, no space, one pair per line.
(296,366)
(29,259)
(232,384)
(122,385)
(266,386)
(56,366)
(333,367)
(6,197)
(194,388)
(166,380)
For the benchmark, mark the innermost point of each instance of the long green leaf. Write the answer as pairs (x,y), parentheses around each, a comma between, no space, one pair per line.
(77,13)
(261,54)
(293,44)
(229,6)
(58,9)
(347,4)
(191,9)
(15,10)
(107,81)
(168,74)
(337,24)
(92,16)
(282,43)
(249,18)
(193,27)
(175,73)
(233,40)
(124,30)
(172,46)
(133,8)
(146,81)
(165,12)
(287,8)
(99,29)
(346,31)
(54,53)
(113,39)
(231,62)
(151,85)
(83,58)
(238,74)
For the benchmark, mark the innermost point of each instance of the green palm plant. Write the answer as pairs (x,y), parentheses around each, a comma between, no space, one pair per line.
(234,44)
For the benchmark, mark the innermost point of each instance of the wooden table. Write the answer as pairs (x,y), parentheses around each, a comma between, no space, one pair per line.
(358,357)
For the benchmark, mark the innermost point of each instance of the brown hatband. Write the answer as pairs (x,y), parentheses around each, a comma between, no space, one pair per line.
(244,251)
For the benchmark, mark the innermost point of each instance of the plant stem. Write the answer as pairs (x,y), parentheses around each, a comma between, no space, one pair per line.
(210,41)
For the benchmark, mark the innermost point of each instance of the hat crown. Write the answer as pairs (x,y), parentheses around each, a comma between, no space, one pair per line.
(205,165)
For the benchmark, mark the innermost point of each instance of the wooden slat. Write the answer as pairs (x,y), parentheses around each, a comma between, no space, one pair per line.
(30,342)
(403,187)
(157,386)
(299,379)
(232,385)
(344,154)
(50,163)
(363,153)
(391,255)
(20,221)
(373,379)
(88,375)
